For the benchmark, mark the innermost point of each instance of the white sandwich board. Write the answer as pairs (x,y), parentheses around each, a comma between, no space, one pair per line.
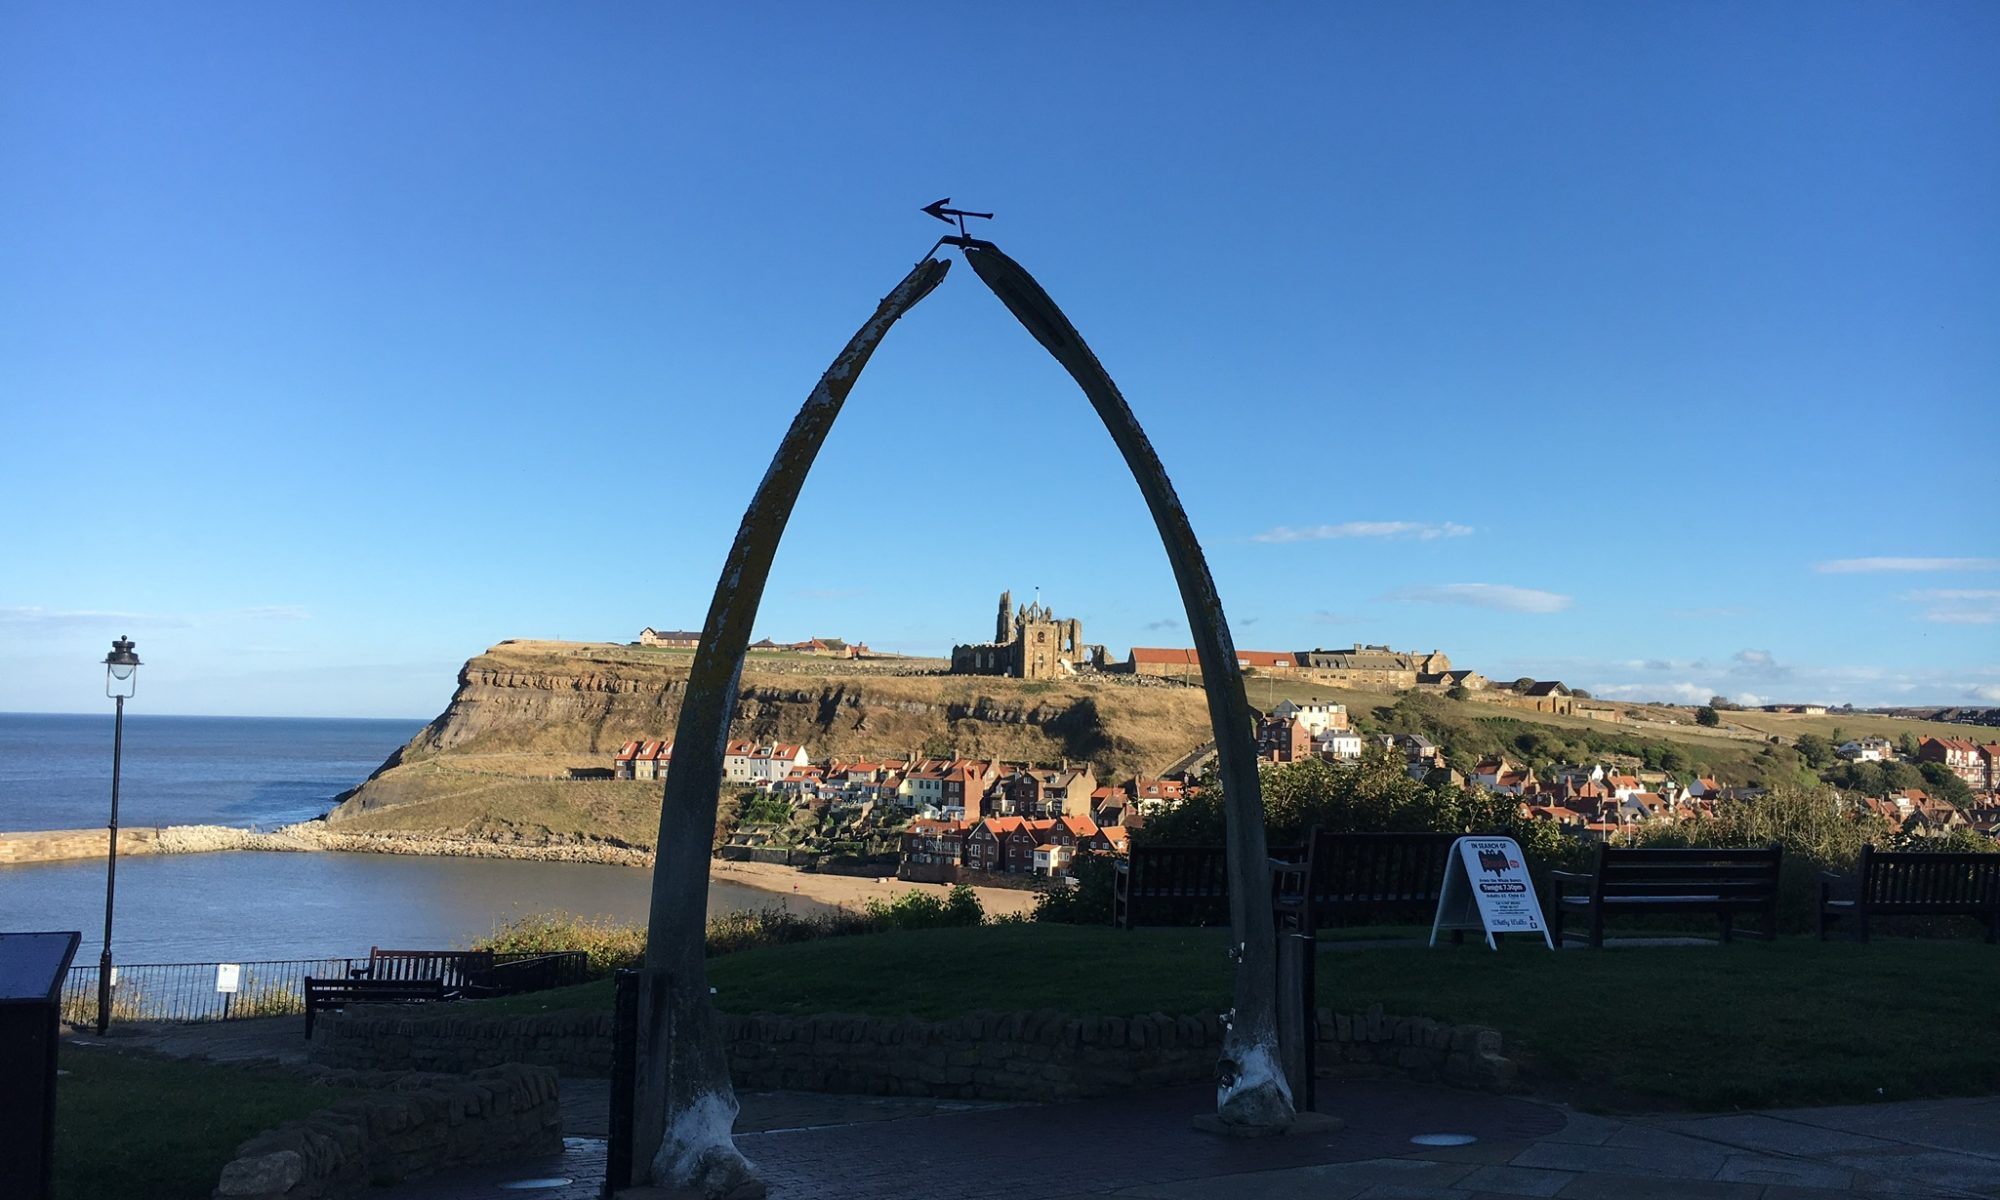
(1486,887)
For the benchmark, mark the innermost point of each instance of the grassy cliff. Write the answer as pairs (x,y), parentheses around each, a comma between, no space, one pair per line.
(492,764)
(524,712)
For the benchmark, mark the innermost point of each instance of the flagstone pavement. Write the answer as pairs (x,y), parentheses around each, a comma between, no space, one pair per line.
(1142,1146)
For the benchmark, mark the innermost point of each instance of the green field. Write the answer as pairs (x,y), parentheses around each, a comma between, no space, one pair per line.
(1706,1027)
(131,1125)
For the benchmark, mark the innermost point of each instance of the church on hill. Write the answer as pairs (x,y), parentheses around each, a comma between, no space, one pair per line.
(1030,642)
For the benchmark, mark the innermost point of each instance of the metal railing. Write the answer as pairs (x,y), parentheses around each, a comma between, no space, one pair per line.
(272,988)
(187,991)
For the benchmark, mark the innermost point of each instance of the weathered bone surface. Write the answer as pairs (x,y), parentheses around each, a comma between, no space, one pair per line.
(685,1105)
(1252,1088)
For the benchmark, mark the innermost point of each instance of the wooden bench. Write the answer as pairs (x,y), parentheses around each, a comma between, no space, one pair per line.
(1653,881)
(1178,885)
(1349,875)
(454,968)
(330,994)
(1913,883)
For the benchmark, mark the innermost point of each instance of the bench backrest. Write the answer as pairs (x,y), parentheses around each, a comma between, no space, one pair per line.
(1742,875)
(1352,872)
(457,968)
(1180,885)
(1921,882)
(326,992)
(1179,871)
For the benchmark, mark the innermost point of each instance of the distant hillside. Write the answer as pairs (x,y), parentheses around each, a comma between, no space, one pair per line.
(491,764)
(525,711)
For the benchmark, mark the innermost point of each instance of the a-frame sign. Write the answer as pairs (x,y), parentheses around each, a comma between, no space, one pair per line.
(1486,888)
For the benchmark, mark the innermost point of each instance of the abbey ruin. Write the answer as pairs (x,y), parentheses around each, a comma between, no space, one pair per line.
(1028,643)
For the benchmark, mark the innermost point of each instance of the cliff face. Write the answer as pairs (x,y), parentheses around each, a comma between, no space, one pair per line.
(525,711)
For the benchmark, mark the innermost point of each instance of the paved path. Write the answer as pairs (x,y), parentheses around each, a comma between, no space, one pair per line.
(1142,1147)
(837,1147)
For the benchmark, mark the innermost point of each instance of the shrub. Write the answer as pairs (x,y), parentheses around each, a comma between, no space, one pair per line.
(606,944)
(921,910)
(1089,902)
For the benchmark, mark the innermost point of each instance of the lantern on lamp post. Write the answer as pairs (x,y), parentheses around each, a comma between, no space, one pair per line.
(121,679)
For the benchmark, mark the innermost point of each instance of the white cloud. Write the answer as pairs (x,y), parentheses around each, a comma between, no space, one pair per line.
(1849,566)
(1422,531)
(1499,596)
(1958,606)
(1989,693)
(31,617)
(1680,692)
(272,612)
(1755,658)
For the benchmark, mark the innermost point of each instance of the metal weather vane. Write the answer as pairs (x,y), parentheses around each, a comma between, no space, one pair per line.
(937,209)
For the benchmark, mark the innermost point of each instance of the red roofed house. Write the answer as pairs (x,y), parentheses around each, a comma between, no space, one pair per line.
(932,850)
(652,760)
(1958,755)
(1155,795)
(736,762)
(621,763)
(1283,741)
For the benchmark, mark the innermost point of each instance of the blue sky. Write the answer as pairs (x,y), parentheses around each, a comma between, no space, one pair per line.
(1651,347)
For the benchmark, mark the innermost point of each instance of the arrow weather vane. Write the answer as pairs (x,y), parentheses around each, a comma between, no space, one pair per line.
(938,210)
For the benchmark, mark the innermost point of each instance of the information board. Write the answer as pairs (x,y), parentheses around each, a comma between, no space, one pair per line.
(1486,887)
(228,977)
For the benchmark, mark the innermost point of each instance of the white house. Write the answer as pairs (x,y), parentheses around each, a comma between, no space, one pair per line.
(1317,718)
(1870,749)
(1338,743)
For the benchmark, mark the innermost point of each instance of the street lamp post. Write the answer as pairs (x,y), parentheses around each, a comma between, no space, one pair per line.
(121,679)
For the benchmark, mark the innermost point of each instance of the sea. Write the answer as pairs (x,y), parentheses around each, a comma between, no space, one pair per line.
(251,772)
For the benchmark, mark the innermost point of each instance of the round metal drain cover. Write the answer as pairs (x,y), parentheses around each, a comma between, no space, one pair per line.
(1443,1139)
(536,1185)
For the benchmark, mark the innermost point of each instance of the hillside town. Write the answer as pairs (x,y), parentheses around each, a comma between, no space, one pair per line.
(947,818)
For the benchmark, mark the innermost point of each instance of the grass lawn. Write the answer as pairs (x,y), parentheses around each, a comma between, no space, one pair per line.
(1706,1027)
(133,1125)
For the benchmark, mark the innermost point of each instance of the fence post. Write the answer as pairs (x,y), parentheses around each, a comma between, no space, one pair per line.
(624,1074)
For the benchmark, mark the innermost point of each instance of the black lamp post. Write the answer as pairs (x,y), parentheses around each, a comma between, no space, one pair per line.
(121,679)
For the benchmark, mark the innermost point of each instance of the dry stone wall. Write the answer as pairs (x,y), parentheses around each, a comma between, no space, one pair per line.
(989,1056)
(397,1125)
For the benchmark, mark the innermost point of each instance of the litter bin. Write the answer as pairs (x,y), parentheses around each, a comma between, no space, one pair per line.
(32,966)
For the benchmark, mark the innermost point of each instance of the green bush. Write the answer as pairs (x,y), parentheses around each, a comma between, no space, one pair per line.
(921,910)
(1089,902)
(607,944)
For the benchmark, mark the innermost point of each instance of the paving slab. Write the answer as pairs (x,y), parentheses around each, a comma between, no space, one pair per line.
(1517,1181)
(1585,1129)
(1700,1164)
(1596,1186)
(1796,1172)
(1760,1131)
(1940,1169)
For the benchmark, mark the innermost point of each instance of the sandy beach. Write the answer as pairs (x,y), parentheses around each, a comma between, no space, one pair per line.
(852,891)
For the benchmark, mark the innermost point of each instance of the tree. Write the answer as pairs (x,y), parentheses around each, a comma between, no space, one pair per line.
(1675,762)
(1816,750)
(1706,715)
(1907,745)
(1457,692)
(1580,694)
(1522,684)
(1943,784)
(1899,775)
(1719,703)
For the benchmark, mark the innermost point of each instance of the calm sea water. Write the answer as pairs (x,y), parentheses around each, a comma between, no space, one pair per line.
(55,773)
(55,770)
